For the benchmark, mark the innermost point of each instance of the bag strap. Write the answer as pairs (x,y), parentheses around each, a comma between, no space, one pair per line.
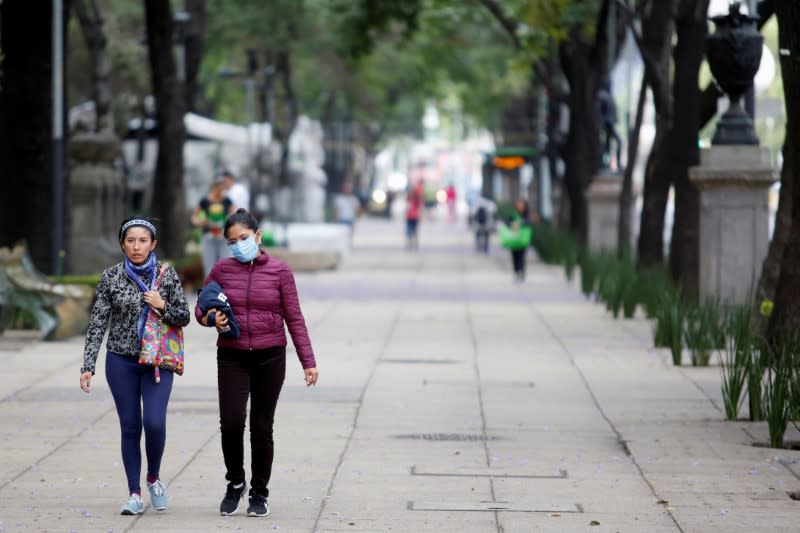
(160,275)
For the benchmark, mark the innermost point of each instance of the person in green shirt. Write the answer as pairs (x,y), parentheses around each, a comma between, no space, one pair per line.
(518,220)
(210,215)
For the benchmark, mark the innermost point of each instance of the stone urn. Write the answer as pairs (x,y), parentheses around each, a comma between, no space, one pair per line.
(734,55)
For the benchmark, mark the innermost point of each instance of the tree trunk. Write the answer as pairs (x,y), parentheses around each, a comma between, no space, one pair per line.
(26,130)
(91,21)
(786,315)
(691,28)
(583,138)
(586,66)
(284,67)
(771,269)
(657,29)
(195,39)
(169,204)
(626,197)
(555,147)
(657,182)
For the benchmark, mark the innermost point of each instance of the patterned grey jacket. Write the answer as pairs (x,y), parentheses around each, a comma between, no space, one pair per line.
(120,301)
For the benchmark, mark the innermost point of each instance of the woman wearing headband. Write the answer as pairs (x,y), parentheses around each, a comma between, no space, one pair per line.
(124,296)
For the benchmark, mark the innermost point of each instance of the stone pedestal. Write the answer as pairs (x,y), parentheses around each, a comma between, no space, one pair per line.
(96,202)
(602,200)
(734,183)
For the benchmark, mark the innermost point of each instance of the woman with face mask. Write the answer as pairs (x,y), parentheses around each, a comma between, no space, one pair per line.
(125,294)
(262,295)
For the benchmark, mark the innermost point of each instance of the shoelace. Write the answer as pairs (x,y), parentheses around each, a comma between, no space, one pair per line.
(135,499)
(157,488)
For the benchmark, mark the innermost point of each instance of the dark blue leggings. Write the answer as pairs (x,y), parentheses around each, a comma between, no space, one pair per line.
(132,385)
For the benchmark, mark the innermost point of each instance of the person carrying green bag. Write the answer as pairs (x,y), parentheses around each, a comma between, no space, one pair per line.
(516,236)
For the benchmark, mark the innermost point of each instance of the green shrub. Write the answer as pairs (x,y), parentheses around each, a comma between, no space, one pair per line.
(704,330)
(606,277)
(755,375)
(677,315)
(588,266)
(569,250)
(696,336)
(670,315)
(778,387)
(716,316)
(556,247)
(734,363)
(23,319)
(629,286)
(652,284)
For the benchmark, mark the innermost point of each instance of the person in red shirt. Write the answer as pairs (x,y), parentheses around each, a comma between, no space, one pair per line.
(413,211)
(451,202)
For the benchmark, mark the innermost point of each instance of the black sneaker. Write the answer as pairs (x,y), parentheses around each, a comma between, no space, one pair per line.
(258,505)
(230,503)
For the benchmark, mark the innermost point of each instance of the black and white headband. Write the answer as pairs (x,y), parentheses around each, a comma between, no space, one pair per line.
(137,222)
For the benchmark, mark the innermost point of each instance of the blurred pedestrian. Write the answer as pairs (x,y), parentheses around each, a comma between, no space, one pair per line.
(483,221)
(209,215)
(124,297)
(450,193)
(345,206)
(262,295)
(520,225)
(415,201)
(236,192)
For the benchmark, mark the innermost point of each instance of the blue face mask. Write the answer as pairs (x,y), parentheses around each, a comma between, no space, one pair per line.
(245,251)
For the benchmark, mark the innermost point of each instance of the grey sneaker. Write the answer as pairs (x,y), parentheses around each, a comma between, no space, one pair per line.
(230,503)
(258,505)
(134,506)
(158,495)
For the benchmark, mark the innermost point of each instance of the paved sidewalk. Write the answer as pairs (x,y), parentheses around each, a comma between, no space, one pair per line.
(450,399)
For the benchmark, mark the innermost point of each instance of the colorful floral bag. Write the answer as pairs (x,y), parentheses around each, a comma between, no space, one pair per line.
(162,343)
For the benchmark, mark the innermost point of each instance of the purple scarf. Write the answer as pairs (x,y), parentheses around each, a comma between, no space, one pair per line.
(147,270)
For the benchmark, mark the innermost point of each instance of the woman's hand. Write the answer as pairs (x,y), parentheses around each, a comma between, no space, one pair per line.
(204,320)
(154,300)
(221,321)
(86,380)
(312,375)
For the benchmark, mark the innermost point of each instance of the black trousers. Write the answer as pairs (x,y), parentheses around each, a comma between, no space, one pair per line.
(518,258)
(257,375)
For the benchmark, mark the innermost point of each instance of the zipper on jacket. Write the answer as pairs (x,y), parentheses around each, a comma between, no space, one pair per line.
(249,283)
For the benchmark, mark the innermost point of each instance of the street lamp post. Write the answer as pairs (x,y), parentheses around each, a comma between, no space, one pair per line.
(58,135)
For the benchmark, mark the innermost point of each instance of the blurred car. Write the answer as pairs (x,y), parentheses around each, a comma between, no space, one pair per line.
(379,203)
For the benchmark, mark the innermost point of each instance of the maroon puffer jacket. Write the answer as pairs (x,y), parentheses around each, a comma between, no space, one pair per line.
(262,294)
